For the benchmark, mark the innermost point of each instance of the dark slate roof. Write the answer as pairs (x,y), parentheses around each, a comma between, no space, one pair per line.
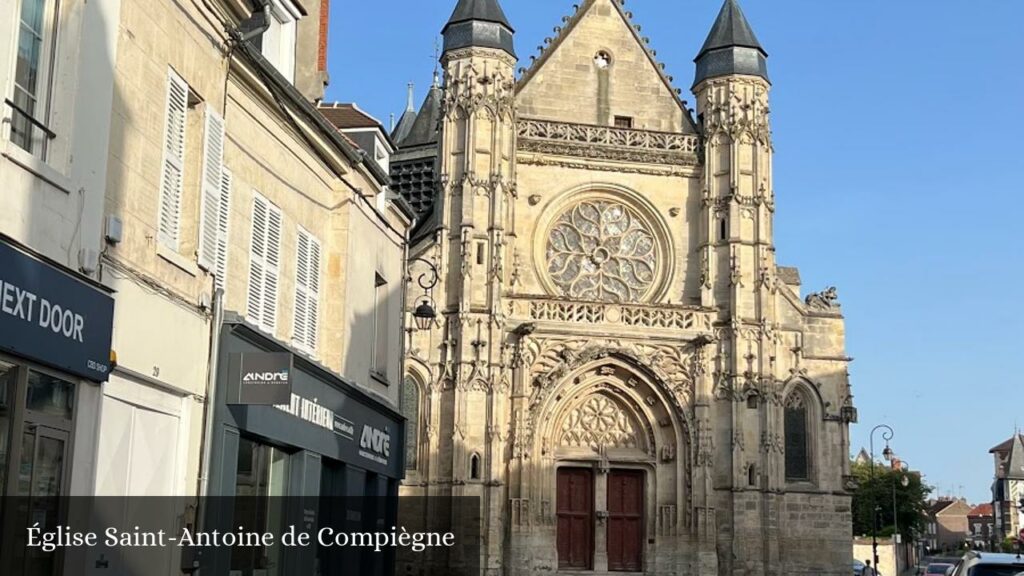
(484,10)
(424,129)
(731,29)
(731,47)
(404,126)
(479,23)
(1005,446)
(405,123)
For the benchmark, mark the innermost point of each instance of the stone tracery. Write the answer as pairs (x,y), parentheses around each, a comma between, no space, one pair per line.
(603,251)
(598,423)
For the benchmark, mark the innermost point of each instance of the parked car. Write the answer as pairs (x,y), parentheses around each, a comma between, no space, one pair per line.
(989,564)
(937,568)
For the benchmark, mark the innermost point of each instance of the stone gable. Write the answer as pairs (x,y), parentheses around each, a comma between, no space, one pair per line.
(568,84)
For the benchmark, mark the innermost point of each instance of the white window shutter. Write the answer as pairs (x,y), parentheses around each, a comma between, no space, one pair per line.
(313,323)
(301,328)
(209,212)
(273,268)
(172,173)
(257,260)
(223,231)
(307,292)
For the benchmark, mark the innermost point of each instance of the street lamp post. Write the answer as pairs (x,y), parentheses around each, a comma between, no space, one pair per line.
(424,314)
(887,435)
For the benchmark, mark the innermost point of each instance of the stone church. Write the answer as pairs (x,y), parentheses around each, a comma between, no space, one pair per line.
(619,368)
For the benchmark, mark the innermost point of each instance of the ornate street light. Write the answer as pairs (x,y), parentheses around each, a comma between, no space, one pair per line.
(887,453)
(425,314)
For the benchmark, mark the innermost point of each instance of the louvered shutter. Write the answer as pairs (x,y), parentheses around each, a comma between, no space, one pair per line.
(223,231)
(301,336)
(172,173)
(257,260)
(313,322)
(273,262)
(209,212)
(307,292)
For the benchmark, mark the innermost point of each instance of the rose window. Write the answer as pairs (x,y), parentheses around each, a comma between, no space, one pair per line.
(602,251)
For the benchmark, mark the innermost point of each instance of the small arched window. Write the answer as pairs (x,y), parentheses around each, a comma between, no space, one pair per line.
(474,467)
(798,454)
(411,411)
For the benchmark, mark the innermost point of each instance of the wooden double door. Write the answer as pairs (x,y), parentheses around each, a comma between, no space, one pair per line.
(575,505)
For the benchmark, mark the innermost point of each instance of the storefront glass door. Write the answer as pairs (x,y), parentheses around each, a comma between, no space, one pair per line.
(36,415)
(39,485)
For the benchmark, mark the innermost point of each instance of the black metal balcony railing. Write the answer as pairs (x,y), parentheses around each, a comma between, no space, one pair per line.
(23,127)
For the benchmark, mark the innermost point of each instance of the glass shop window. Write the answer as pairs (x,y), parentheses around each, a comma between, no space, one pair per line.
(260,484)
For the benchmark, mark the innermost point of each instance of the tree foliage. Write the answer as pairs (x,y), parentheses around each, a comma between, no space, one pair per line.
(876,492)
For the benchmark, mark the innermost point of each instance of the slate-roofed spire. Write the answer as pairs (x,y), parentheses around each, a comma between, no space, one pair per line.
(731,47)
(478,23)
(407,119)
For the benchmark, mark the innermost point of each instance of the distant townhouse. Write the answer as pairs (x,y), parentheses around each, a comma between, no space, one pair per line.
(948,526)
(981,523)
(1008,486)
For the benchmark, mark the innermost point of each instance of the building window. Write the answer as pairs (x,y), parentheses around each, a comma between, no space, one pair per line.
(623,122)
(474,467)
(264,264)
(307,293)
(797,439)
(411,411)
(278,42)
(260,483)
(379,353)
(37,26)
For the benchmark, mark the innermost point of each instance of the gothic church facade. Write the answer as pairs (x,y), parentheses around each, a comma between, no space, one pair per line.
(620,370)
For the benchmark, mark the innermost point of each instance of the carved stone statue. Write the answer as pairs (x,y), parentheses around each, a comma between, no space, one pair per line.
(826,300)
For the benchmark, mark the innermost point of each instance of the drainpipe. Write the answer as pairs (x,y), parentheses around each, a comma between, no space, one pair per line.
(262,12)
(211,397)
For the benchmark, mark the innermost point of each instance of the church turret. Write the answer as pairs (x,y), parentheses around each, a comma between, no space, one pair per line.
(476,155)
(739,271)
(480,24)
(731,48)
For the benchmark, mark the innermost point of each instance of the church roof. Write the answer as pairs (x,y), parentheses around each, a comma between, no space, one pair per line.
(730,29)
(478,23)
(405,123)
(483,10)
(731,47)
(424,129)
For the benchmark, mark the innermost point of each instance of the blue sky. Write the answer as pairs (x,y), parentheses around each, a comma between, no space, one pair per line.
(898,135)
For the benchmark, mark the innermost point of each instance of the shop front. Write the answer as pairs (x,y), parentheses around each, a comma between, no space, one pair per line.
(295,444)
(55,331)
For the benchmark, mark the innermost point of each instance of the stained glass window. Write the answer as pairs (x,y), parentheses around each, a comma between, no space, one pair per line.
(797,444)
(411,410)
(602,251)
